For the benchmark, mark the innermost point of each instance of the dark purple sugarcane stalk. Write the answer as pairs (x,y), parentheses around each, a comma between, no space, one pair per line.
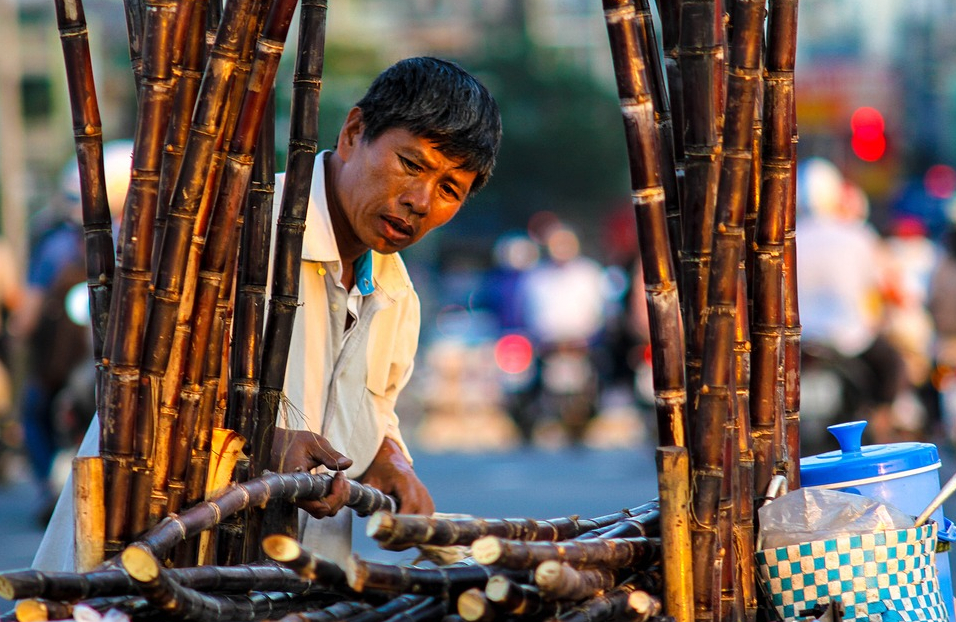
(660,285)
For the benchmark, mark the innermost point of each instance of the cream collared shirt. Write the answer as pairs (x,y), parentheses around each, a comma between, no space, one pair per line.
(344,384)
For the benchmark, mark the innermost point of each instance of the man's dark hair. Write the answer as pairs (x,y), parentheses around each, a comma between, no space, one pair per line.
(437,100)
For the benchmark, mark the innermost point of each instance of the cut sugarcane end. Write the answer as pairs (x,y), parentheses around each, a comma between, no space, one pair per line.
(487,550)
(380,525)
(281,548)
(548,574)
(497,588)
(356,573)
(31,610)
(472,606)
(140,564)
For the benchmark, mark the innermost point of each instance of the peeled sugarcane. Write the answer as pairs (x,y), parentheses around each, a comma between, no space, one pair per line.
(159,587)
(88,138)
(701,52)
(647,195)
(446,581)
(518,599)
(290,553)
(559,581)
(637,553)
(673,477)
(715,410)
(767,383)
(89,512)
(402,530)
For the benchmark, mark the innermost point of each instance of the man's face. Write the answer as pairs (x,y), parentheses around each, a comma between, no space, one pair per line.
(396,188)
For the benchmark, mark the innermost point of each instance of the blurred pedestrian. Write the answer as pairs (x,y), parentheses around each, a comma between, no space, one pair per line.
(842,276)
(55,344)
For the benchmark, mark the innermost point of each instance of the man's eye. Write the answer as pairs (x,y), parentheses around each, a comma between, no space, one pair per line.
(411,166)
(450,191)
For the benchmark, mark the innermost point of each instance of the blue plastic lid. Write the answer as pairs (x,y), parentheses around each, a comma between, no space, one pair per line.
(854,462)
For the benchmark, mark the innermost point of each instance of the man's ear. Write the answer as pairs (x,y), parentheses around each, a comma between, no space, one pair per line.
(351,133)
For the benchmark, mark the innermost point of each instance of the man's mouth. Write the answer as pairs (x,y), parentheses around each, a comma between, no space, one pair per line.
(399,226)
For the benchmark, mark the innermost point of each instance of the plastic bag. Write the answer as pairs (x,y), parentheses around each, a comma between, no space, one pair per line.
(809,514)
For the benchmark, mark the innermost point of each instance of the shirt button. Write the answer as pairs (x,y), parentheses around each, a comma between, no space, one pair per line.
(321,271)
(335,306)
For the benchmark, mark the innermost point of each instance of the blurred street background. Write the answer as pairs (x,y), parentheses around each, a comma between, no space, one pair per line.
(532,392)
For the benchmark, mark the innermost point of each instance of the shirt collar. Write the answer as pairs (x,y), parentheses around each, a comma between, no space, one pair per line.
(318,244)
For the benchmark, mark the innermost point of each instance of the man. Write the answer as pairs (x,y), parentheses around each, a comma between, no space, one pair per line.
(423,138)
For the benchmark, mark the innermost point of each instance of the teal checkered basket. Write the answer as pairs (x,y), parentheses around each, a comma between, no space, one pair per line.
(888,576)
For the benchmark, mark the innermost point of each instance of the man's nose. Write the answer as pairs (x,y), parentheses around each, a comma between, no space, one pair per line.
(417,196)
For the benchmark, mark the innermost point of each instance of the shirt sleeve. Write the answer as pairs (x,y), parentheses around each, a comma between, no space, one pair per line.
(397,337)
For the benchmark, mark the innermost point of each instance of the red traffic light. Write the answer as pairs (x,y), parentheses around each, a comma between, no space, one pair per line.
(868,140)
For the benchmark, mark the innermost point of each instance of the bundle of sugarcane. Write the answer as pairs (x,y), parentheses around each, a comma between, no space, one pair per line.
(728,412)
(567,568)
(202,180)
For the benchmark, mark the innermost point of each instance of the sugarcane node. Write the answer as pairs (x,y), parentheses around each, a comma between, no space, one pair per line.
(473,605)
(281,548)
(140,564)
(487,550)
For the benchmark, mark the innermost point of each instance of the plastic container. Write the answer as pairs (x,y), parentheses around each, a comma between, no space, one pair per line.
(904,475)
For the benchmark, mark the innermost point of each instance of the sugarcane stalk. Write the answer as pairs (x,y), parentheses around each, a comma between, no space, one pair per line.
(189,71)
(290,553)
(701,68)
(776,191)
(159,587)
(781,61)
(289,486)
(333,613)
(135,26)
(673,481)
(474,606)
(88,139)
(610,605)
(559,581)
(293,207)
(594,552)
(518,599)
(646,525)
(664,121)
(715,396)
(111,582)
(89,514)
(398,531)
(446,581)
(660,286)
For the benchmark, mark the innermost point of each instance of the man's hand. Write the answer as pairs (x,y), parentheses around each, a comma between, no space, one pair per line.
(302,451)
(391,473)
